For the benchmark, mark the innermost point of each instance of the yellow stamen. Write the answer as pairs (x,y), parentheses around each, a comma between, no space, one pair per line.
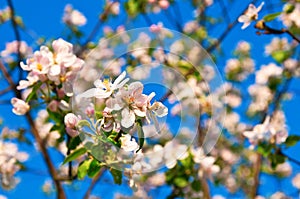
(63,78)
(106,84)
(39,67)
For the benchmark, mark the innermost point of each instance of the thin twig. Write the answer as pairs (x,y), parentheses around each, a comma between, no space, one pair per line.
(261,25)
(93,183)
(16,32)
(41,145)
(96,28)
(6,90)
(256,170)
(225,11)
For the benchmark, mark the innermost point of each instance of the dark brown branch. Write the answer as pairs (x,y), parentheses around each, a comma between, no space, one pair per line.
(227,30)
(256,170)
(93,183)
(211,48)
(41,145)
(96,28)
(225,11)
(6,90)
(261,25)
(15,27)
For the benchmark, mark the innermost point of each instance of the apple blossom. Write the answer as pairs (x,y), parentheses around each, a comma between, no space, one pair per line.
(250,15)
(266,72)
(115,8)
(128,143)
(10,157)
(40,62)
(105,88)
(19,106)
(296,181)
(71,121)
(15,47)
(259,132)
(73,17)
(291,18)
(277,44)
(164,4)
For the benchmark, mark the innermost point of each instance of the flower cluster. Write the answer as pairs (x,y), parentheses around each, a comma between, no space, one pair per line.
(125,105)
(59,66)
(5,15)
(250,15)
(10,163)
(291,14)
(272,130)
(13,48)
(73,17)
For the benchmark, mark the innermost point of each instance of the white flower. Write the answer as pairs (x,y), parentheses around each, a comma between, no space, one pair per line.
(174,151)
(40,62)
(208,167)
(128,143)
(20,107)
(258,132)
(73,17)
(105,88)
(296,181)
(267,71)
(250,15)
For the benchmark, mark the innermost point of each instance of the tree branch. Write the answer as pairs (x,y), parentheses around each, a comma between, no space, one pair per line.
(96,28)
(16,32)
(41,145)
(261,25)
(93,183)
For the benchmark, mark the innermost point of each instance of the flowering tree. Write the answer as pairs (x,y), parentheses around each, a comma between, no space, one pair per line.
(163,111)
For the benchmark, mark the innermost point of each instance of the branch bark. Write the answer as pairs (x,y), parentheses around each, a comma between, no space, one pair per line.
(41,145)
(93,184)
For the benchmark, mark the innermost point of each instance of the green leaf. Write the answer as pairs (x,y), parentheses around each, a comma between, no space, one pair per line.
(83,168)
(271,17)
(33,94)
(94,168)
(292,140)
(181,182)
(280,56)
(117,175)
(75,154)
(264,149)
(140,134)
(276,159)
(196,185)
(74,142)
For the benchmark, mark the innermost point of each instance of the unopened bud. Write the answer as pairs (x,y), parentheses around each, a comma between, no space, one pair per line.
(260,25)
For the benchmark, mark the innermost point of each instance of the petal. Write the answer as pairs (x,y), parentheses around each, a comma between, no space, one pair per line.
(128,118)
(99,84)
(243,19)
(251,10)
(116,86)
(89,93)
(246,24)
(54,70)
(68,88)
(260,6)
(139,112)
(136,88)
(159,109)
(120,78)
(24,66)
(114,104)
